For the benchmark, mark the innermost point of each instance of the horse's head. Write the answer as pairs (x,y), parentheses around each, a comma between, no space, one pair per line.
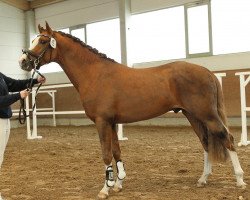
(42,50)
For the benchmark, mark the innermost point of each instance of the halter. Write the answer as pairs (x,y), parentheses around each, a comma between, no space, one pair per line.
(36,63)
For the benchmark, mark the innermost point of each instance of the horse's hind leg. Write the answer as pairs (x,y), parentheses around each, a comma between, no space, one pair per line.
(105,134)
(200,130)
(119,164)
(206,171)
(237,169)
(223,143)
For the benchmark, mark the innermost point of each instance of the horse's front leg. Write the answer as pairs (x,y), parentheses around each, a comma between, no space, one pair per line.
(105,134)
(121,174)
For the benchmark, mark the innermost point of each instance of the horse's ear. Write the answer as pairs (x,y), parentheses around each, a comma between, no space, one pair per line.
(41,29)
(49,30)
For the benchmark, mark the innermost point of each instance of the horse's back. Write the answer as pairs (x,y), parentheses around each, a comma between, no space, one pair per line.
(151,92)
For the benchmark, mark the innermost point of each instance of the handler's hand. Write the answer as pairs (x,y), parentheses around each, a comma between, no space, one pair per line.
(41,79)
(24,94)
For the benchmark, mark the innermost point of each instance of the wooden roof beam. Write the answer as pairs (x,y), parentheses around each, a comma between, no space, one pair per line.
(28,5)
(40,3)
(21,4)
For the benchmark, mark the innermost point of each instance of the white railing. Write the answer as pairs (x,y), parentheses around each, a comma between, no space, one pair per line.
(219,76)
(244,80)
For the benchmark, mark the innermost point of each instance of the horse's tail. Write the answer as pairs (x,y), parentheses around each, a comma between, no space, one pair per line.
(217,141)
(220,103)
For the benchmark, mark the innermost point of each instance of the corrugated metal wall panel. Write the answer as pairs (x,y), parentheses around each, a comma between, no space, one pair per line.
(75,12)
(12,40)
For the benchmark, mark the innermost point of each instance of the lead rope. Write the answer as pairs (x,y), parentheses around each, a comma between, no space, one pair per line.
(22,112)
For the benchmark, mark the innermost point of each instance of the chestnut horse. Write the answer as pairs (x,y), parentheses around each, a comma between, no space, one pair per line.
(112,93)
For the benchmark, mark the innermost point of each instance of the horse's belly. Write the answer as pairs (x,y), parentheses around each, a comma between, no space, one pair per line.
(142,111)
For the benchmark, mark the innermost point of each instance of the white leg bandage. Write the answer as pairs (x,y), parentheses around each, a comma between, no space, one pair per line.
(120,170)
(121,174)
(110,176)
(109,182)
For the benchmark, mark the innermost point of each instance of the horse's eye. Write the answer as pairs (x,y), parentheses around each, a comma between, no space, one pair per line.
(42,41)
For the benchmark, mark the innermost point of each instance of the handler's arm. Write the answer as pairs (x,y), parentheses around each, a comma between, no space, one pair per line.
(9,99)
(17,85)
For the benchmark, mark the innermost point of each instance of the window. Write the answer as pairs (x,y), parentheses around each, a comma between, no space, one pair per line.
(198,33)
(65,30)
(79,33)
(105,37)
(231,26)
(51,67)
(198,29)
(158,35)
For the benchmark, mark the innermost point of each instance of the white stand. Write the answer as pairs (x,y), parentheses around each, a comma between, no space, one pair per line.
(243,83)
(219,77)
(120,133)
(34,132)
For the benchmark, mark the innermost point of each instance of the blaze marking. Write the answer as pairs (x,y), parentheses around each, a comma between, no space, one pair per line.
(34,43)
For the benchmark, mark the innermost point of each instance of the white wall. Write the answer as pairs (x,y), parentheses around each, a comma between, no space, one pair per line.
(12,40)
(76,12)
(140,6)
(213,63)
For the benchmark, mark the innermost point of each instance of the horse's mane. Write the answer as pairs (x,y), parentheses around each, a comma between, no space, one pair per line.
(94,50)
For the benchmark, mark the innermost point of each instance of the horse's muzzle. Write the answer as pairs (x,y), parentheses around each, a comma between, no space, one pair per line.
(26,65)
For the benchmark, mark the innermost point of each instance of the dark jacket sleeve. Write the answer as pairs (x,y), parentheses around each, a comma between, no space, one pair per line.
(9,99)
(17,85)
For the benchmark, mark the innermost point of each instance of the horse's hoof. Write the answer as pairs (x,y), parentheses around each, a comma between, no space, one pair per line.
(242,185)
(102,195)
(201,184)
(117,189)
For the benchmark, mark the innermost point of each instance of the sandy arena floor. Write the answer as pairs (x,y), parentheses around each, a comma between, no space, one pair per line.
(161,163)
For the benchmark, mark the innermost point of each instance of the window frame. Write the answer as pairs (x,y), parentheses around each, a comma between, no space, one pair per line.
(72,28)
(196,4)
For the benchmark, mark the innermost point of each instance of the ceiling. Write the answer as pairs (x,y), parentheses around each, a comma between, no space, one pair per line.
(30,4)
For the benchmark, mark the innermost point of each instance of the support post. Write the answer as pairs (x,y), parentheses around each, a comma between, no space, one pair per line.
(30,30)
(244,108)
(125,15)
(27,117)
(53,107)
(120,133)
(34,131)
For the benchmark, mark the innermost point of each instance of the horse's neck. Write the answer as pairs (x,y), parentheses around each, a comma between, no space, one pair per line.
(78,62)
